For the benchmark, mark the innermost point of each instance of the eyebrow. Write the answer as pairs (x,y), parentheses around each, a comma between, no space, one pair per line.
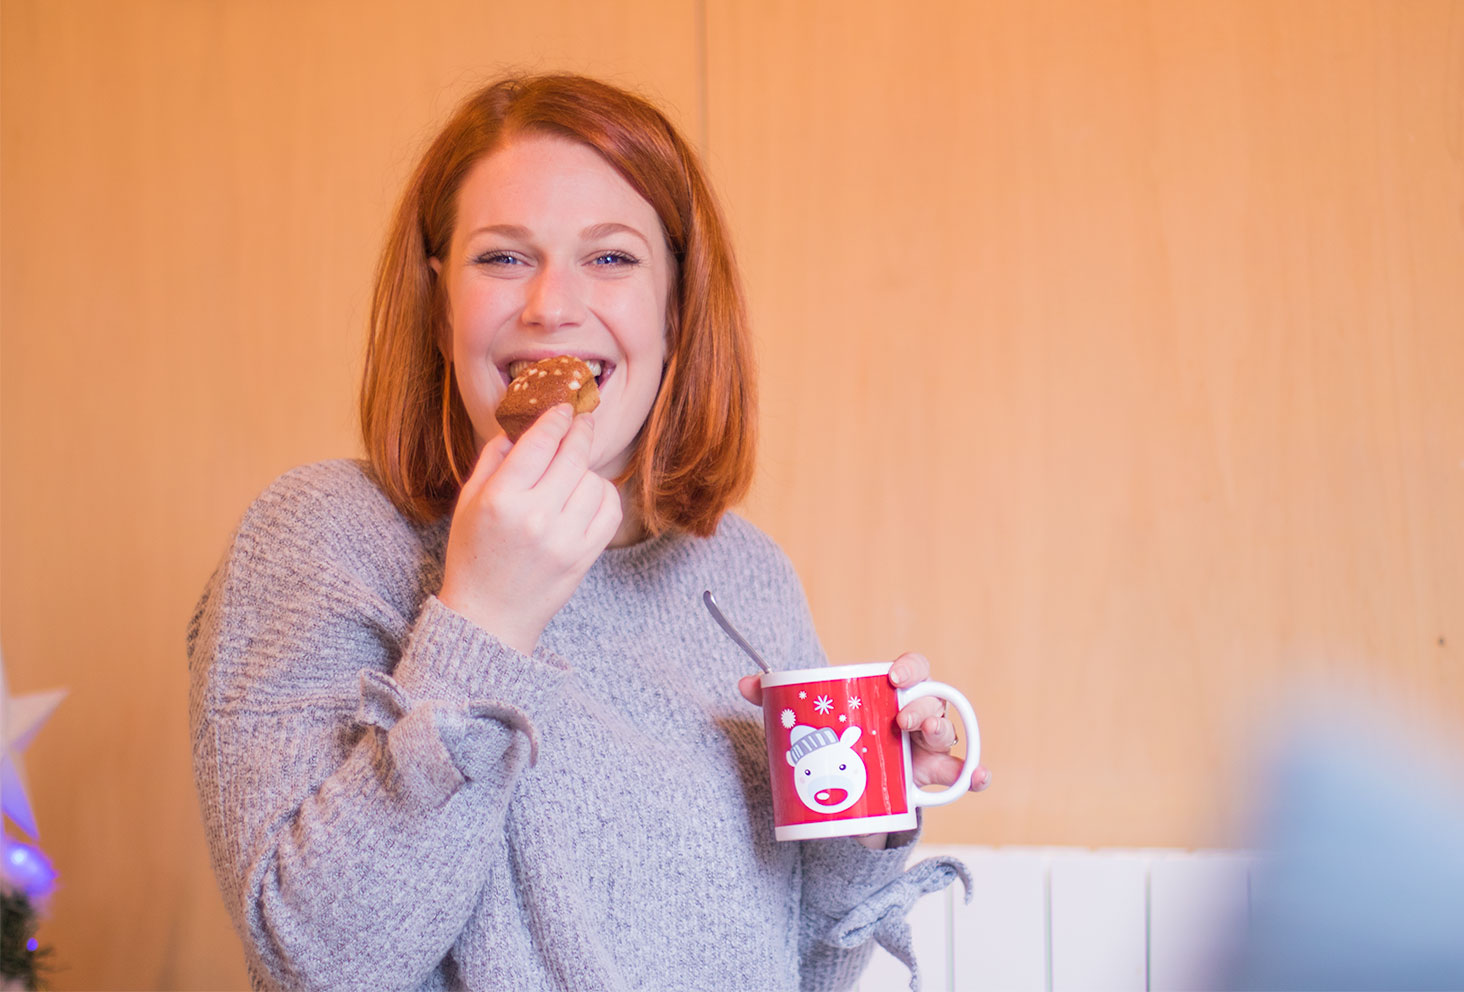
(601,230)
(507,230)
(521,233)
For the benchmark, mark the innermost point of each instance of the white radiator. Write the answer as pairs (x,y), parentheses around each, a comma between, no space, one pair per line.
(1057,919)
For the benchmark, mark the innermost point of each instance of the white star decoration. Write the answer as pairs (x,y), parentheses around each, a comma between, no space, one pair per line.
(20,718)
(823,704)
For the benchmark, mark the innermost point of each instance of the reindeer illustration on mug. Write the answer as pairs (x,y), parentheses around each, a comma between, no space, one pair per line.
(839,763)
(828,775)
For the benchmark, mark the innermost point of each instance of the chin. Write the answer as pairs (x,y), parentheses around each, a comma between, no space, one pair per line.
(610,471)
(610,467)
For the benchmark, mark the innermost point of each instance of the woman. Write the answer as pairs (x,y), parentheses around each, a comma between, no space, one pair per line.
(458,717)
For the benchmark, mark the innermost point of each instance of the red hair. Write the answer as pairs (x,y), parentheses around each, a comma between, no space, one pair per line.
(694,457)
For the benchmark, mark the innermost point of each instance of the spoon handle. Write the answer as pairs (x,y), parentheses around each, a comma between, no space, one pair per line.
(732,631)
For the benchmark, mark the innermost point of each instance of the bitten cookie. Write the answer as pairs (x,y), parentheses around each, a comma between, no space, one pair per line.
(542,386)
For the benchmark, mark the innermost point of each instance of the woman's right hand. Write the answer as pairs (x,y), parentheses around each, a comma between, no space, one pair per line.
(529,523)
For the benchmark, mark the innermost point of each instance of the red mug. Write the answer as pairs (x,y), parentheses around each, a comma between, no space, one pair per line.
(840,765)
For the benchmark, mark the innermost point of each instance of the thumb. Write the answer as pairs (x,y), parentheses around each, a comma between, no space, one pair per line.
(751,688)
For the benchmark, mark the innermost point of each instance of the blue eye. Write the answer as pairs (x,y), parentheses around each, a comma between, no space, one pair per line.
(498,258)
(615,258)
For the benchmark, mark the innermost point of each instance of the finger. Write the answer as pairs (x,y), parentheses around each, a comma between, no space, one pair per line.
(488,461)
(751,688)
(915,713)
(936,734)
(931,768)
(606,522)
(535,449)
(584,502)
(908,669)
(934,767)
(569,466)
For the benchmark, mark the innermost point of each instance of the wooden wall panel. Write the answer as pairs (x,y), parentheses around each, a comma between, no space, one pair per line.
(194,196)
(1111,357)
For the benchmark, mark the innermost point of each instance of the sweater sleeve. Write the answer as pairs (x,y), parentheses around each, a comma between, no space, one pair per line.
(353,759)
(852,897)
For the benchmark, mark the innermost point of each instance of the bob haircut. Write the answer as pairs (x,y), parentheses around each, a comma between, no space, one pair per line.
(694,455)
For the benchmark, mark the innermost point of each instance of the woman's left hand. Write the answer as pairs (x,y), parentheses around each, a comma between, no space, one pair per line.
(931,731)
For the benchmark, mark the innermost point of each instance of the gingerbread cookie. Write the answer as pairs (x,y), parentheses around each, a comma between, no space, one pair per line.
(542,386)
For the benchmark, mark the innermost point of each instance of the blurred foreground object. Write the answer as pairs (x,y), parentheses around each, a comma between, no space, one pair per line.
(22,959)
(26,875)
(1365,886)
(20,718)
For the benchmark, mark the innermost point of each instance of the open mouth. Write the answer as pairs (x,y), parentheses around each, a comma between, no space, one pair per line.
(601,370)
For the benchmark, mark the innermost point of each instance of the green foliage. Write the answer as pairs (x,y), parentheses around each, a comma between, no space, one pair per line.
(18,963)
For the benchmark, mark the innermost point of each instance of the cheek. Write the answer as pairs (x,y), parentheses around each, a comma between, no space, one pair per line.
(480,388)
(476,312)
(653,333)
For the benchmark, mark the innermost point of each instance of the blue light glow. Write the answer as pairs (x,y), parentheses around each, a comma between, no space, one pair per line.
(27,868)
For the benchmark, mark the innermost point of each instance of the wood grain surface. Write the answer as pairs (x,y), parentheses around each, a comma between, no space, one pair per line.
(1135,330)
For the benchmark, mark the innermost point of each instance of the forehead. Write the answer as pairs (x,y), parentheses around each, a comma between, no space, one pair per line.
(543,180)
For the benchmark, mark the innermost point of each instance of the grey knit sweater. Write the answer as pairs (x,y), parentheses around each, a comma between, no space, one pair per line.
(395,799)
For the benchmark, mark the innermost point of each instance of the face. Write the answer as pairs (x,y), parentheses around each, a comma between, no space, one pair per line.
(553,253)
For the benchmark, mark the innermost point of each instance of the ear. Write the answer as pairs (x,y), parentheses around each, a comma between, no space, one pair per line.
(850,736)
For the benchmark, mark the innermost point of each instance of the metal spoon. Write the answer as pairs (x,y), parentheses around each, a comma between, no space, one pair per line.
(732,631)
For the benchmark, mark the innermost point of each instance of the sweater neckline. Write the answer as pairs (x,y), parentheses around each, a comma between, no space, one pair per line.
(635,559)
(638,558)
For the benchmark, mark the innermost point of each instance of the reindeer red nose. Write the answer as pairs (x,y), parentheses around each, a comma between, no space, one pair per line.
(831,797)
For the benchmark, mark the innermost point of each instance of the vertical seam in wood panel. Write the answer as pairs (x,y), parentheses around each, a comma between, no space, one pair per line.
(703,46)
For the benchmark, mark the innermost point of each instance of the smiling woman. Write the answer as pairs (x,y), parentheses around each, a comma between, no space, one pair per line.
(477,732)
(554,253)
(698,440)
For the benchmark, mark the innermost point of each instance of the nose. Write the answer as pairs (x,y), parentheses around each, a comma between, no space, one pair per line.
(831,797)
(554,298)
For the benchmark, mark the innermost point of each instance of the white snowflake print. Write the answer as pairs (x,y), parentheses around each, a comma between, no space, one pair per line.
(854,702)
(788,719)
(843,718)
(802,694)
(823,704)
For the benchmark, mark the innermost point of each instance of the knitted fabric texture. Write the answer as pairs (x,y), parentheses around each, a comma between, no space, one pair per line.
(395,799)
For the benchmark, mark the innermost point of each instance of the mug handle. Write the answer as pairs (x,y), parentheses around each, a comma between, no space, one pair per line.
(918,796)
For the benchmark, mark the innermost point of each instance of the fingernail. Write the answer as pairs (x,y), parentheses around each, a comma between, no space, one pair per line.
(985,783)
(897,675)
